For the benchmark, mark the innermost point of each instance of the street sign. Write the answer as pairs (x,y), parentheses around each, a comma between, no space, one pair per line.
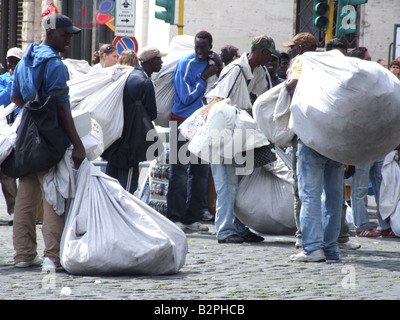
(124,43)
(125,11)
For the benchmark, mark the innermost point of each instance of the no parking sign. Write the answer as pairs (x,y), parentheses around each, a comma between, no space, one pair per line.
(124,43)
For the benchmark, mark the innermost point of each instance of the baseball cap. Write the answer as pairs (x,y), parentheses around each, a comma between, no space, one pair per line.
(59,21)
(305,39)
(265,42)
(148,53)
(15,52)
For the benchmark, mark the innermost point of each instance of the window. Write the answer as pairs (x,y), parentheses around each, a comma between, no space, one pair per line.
(304,23)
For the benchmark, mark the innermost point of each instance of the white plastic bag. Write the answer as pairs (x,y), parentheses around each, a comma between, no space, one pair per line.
(108,231)
(271,113)
(347,109)
(8,134)
(265,201)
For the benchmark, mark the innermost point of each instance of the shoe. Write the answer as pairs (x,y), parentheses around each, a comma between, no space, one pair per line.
(207,216)
(11,219)
(368,233)
(32,263)
(196,226)
(180,225)
(315,256)
(298,244)
(349,245)
(49,266)
(252,237)
(232,239)
(388,233)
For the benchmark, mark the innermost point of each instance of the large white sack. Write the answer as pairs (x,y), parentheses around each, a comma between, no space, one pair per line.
(179,47)
(108,231)
(100,92)
(271,113)
(76,68)
(389,196)
(264,200)
(347,109)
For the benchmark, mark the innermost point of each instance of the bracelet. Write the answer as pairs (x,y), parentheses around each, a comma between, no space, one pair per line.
(202,78)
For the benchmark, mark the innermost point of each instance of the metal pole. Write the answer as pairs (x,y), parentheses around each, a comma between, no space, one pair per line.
(180,17)
(329,31)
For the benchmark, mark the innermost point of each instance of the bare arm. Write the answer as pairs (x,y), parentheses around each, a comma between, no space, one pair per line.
(291,87)
(17,100)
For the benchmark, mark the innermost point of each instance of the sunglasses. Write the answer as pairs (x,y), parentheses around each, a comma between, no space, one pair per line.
(109,49)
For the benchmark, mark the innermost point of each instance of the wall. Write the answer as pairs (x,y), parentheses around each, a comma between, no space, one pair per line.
(237,22)
(378,20)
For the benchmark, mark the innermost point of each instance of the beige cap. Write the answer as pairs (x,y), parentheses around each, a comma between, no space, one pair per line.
(15,52)
(148,53)
(305,39)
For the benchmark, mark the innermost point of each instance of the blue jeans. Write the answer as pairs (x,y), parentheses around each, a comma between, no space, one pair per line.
(359,190)
(319,220)
(188,185)
(226,183)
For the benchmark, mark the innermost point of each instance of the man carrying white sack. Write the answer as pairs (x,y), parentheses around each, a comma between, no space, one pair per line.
(320,225)
(236,82)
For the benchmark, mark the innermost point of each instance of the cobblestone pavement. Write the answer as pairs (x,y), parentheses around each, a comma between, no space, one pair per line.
(218,272)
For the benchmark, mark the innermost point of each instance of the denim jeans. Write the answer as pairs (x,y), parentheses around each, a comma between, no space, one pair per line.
(319,219)
(188,184)
(359,190)
(226,183)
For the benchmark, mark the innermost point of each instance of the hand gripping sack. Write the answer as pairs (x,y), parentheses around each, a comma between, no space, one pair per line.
(108,231)
(347,109)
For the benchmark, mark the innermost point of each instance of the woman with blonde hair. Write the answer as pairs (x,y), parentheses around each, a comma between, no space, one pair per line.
(128,58)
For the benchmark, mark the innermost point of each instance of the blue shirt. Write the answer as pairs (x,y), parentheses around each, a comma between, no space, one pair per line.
(189,88)
(6,81)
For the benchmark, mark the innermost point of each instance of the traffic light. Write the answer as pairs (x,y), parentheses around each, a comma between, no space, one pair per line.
(346,22)
(320,14)
(169,14)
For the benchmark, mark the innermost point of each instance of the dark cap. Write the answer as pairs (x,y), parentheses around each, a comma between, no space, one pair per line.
(59,21)
(264,42)
(307,40)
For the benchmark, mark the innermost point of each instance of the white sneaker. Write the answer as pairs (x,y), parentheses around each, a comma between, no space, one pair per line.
(349,245)
(181,225)
(49,266)
(25,264)
(315,256)
(11,219)
(197,226)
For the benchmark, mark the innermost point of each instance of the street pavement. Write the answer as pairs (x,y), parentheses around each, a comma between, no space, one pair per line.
(220,272)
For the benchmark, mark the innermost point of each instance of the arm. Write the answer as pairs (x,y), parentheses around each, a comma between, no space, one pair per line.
(291,86)
(17,100)
(67,123)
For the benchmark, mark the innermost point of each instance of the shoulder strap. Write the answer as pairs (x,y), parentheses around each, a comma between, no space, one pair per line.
(233,86)
(40,79)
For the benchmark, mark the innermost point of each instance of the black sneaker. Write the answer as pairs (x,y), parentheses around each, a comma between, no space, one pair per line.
(232,239)
(252,237)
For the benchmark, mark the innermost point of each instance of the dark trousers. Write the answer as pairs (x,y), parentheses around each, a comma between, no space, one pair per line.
(128,178)
(188,184)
